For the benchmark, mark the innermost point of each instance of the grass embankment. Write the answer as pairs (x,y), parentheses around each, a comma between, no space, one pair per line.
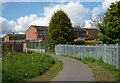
(24,66)
(101,70)
(53,71)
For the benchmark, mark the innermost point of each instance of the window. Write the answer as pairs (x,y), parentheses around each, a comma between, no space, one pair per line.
(30,35)
(82,33)
(92,35)
(42,32)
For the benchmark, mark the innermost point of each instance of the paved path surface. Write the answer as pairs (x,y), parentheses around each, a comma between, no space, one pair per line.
(73,70)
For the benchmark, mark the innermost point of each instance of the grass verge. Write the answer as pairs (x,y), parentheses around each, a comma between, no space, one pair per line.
(18,66)
(101,70)
(51,73)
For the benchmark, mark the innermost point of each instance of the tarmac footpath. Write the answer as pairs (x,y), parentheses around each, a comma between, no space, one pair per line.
(73,70)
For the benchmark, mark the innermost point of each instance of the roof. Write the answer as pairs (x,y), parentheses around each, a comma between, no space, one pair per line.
(79,29)
(90,28)
(16,35)
(40,27)
(75,28)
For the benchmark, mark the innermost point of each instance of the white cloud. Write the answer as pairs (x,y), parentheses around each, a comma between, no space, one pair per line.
(87,24)
(107,3)
(24,22)
(96,11)
(42,21)
(7,26)
(75,11)
(99,10)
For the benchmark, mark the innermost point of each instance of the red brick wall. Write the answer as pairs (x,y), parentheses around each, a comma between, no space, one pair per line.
(77,34)
(31,33)
(93,33)
(6,38)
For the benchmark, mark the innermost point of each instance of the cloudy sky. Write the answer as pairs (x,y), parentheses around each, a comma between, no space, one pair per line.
(18,16)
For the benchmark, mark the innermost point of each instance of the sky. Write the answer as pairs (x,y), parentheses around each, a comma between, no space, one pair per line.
(24,8)
(18,16)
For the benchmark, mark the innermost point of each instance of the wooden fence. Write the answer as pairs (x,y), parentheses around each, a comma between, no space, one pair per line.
(17,46)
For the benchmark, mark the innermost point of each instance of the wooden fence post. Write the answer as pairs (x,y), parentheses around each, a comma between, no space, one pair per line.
(12,47)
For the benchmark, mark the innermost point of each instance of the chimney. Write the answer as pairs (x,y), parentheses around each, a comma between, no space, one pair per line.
(13,32)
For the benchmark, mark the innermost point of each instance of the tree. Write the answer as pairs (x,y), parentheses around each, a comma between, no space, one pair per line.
(60,29)
(110,27)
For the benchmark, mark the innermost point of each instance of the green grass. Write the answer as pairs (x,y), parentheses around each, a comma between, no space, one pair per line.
(23,66)
(100,64)
(0,61)
(51,73)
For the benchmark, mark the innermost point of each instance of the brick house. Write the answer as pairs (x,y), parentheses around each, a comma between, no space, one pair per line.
(85,33)
(13,37)
(80,33)
(40,32)
(92,33)
(36,33)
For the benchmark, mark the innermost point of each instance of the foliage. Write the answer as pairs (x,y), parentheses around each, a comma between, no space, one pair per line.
(110,27)
(60,29)
(5,49)
(85,42)
(53,71)
(91,42)
(21,66)
(79,42)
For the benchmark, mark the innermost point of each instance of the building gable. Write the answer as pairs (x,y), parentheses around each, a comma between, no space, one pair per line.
(31,33)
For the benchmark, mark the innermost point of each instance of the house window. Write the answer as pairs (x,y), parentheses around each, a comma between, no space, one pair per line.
(82,33)
(42,32)
(92,35)
(30,35)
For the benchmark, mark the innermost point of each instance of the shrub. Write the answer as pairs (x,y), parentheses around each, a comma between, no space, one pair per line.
(85,42)
(5,49)
(79,42)
(90,42)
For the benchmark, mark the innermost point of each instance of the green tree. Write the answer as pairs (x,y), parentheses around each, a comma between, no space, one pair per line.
(60,29)
(110,27)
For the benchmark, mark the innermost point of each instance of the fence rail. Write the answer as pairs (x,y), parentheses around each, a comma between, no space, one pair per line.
(108,53)
(39,47)
(18,47)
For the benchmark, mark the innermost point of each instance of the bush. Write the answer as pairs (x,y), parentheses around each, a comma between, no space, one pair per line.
(85,42)
(91,42)
(5,49)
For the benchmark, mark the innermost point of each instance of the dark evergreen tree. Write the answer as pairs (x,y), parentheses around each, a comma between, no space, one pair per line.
(60,29)
(110,27)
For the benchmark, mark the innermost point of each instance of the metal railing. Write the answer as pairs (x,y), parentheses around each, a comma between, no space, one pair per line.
(39,47)
(109,53)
